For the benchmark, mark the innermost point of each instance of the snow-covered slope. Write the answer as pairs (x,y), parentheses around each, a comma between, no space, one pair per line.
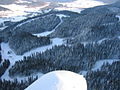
(78,5)
(18,10)
(59,80)
(100,63)
(8,53)
(22,7)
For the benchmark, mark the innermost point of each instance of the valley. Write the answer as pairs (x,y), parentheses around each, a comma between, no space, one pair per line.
(86,42)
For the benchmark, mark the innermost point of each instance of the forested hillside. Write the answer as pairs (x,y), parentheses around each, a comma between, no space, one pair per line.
(87,43)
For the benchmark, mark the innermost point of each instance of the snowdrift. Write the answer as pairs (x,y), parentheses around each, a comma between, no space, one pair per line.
(59,80)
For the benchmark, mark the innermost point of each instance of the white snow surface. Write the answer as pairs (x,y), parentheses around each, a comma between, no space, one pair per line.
(2,28)
(83,73)
(20,10)
(118,16)
(100,41)
(59,80)
(44,33)
(78,5)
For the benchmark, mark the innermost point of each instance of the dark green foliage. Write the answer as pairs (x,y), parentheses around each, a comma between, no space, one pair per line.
(22,42)
(3,9)
(4,66)
(82,26)
(97,10)
(0,56)
(108,78)
(40,24)
(0,41)
(15,85)
(91,36)
(65,12)
(55,60)
(75,58)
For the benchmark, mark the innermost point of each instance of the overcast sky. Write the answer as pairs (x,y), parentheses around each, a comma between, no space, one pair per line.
(13,1)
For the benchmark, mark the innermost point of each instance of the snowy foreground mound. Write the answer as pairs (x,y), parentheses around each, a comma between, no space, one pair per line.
(59,80)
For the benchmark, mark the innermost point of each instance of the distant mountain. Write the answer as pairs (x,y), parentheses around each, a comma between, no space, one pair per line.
(108,1)
(6,2)
(22,6)
(3,9)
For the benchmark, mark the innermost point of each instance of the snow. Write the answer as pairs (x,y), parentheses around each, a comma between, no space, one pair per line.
(17,18)
(61,16)
(46,33)
(20,10)
(23,23)
(85,43)
(21,7)
(100,41)
(118,16)
(12,19)
(83,3)
(114,9)
(118,37)
(69,9)
(2,28)
(99,63)
(83,73)
(19,78)
(2,20)
(16,10)
(13,57)
(46,10)
(78,5)
(59,80)
(22,1)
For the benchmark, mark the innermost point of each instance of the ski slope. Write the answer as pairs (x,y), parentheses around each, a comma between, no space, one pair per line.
(8,53)
(59,80)
(13,57)
(99,63)
(46,33)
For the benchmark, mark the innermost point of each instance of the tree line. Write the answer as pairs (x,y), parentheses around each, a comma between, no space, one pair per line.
(105,79)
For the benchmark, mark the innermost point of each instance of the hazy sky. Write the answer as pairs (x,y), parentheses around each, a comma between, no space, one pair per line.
(13,1)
